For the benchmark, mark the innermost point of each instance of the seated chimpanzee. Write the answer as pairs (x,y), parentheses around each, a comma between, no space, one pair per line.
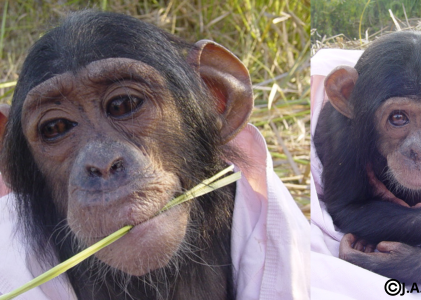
(111,118)
(368,177)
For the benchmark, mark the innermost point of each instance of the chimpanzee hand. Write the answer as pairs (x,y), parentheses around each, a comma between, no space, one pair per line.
(395,260)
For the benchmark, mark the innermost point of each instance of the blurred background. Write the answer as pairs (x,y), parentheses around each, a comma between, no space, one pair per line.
(271,37)
(353,24)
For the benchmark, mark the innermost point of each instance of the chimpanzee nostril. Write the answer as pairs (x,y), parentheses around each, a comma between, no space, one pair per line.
(117,166)
(94,172)
(413,155)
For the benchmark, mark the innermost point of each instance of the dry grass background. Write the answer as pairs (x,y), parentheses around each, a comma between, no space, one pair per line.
(340,41)
(271,37)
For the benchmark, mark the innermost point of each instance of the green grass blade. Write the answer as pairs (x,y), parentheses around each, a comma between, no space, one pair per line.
(216,185)
(188,195)
(218,175)
(7,84)
(104,5)
(64,266)
(3,29)
(203,189)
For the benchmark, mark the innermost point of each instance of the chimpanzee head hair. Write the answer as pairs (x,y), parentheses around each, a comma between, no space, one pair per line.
(90,36)
(390,67)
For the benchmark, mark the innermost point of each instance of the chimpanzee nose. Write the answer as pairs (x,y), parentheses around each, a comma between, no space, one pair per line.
(103,166)
(106,171)
(411,147)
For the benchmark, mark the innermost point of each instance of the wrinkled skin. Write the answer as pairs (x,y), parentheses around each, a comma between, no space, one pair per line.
(111,183)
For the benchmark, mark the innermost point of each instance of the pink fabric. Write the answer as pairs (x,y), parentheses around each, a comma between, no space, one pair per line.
(270,238)
(333,278)
(14,269)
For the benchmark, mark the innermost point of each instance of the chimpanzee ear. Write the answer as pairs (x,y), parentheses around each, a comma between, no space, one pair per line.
(4,115)
(339,85)
(229,81)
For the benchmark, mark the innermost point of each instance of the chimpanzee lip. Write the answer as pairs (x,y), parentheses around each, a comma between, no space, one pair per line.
(92,240)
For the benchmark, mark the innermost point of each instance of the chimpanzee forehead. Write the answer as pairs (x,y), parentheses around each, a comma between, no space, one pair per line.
(106,71)
(406,100)
(411,105)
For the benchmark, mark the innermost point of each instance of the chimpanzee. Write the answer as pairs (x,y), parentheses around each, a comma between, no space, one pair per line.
(112,118)
(368,139)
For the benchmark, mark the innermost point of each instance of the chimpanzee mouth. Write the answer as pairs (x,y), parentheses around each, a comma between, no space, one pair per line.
(90,240)
(94,239)
(148,245)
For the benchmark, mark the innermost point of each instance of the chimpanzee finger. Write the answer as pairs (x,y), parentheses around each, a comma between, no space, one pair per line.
(349,239)
(369,248)
(345,246)
(390,246)
(360,245)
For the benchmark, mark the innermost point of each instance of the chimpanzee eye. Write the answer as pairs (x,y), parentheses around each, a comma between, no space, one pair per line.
(55,128)
(398,118)
(123,105)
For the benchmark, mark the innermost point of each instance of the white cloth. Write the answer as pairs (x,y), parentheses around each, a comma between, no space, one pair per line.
(333,278)
(270,238)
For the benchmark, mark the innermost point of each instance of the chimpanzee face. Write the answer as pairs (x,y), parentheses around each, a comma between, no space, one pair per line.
(97,135)
(398,122)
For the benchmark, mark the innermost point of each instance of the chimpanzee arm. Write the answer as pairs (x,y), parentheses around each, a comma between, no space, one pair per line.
(378,221)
